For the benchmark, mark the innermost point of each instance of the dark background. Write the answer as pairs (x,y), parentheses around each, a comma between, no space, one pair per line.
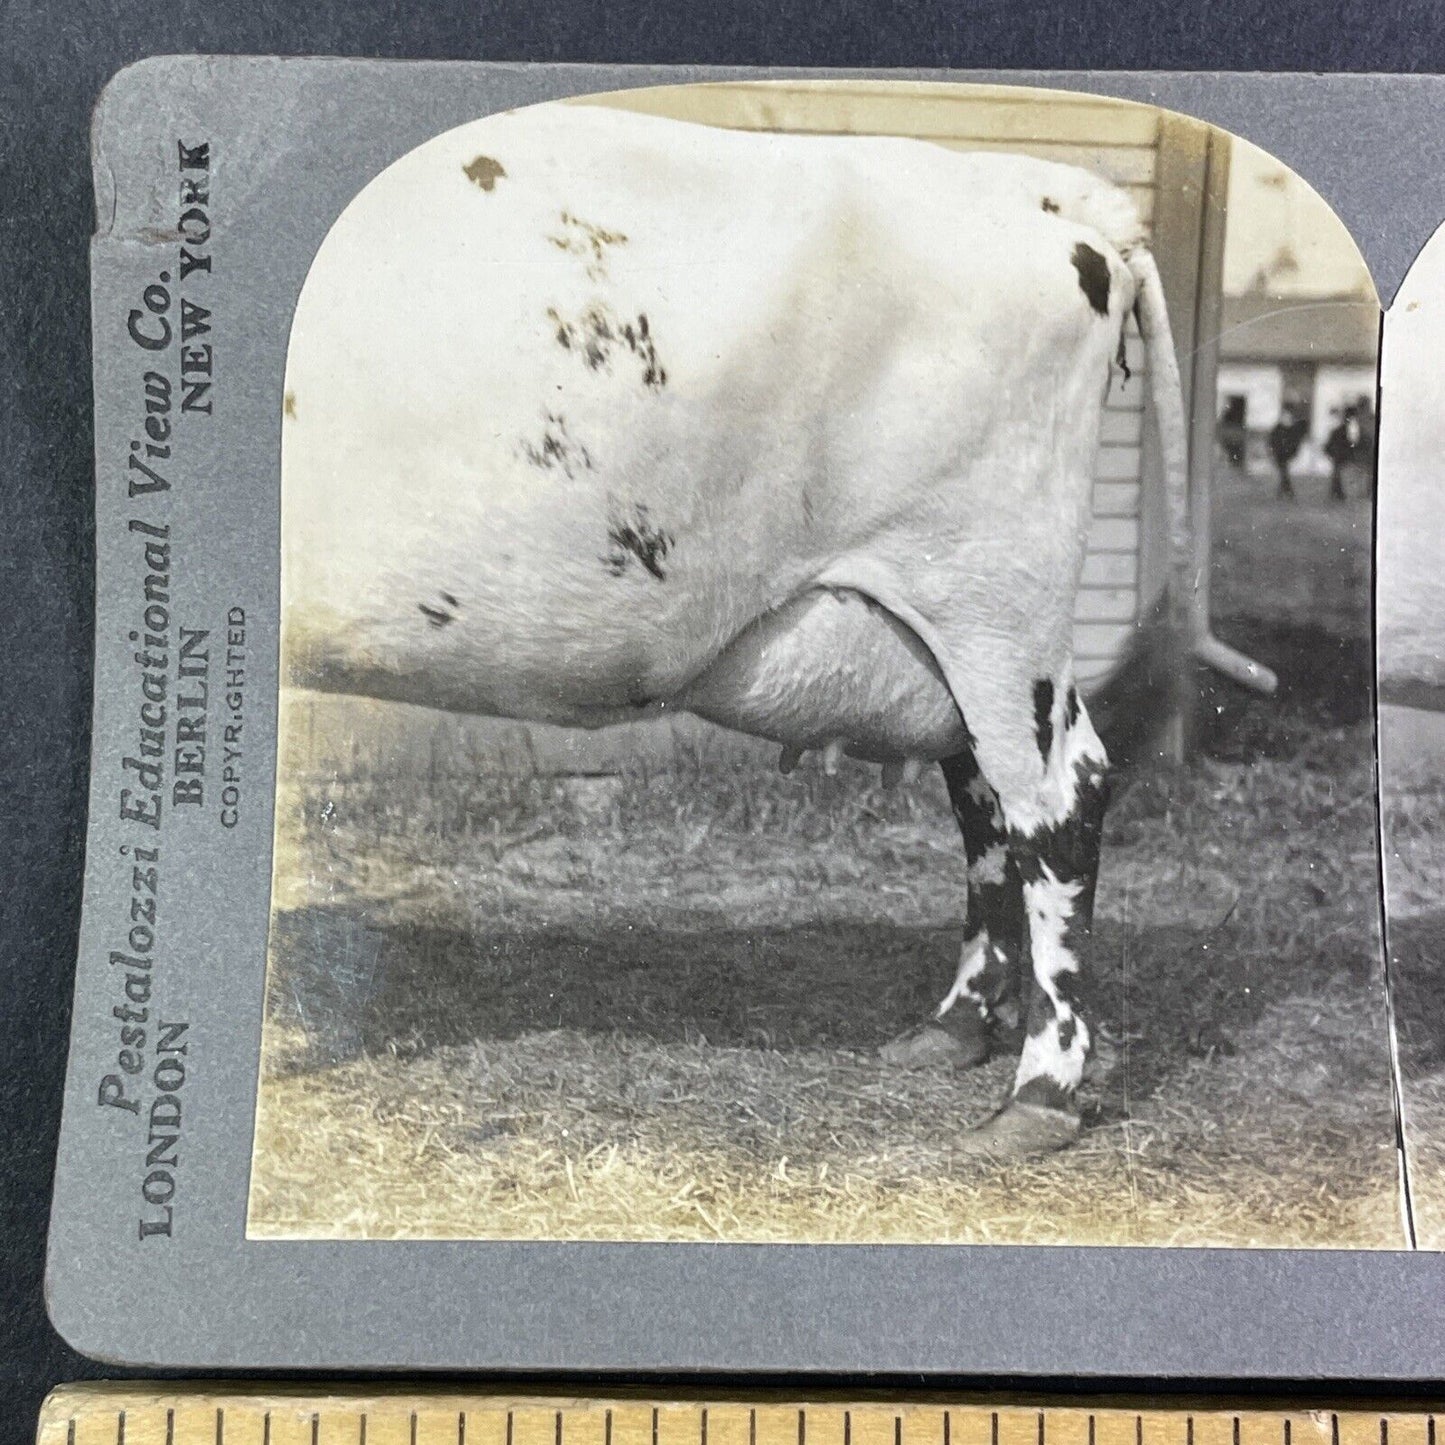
(53,61)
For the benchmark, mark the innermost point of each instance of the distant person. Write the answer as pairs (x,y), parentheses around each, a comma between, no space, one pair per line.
(1342,446)
(1231,431)
(1365,411)
(1285,439)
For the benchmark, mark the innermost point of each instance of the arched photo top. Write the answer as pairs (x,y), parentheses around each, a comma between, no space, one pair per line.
(1411,593)
(668,477)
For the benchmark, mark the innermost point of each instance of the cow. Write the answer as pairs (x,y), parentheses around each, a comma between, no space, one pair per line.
(591,415)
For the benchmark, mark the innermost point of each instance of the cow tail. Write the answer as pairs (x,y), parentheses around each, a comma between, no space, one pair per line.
(1167,394)
(1188,622)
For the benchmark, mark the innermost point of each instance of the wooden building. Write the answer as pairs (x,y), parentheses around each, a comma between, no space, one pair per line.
(1317,356)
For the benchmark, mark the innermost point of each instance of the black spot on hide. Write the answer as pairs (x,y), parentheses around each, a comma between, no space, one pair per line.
(588,242)
(484,172)
(637,539)
(557,449)
(1093,272)
(598,333)
(1044,717)
(638,339)
(1070,849)
(995,906)
(1050,205)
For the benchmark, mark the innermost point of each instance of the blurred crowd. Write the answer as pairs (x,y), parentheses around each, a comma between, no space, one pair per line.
(1348,449)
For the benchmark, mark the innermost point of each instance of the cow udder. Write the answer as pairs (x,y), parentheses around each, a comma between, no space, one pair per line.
(832,666)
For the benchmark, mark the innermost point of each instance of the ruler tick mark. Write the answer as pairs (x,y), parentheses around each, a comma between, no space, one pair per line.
(194,1426)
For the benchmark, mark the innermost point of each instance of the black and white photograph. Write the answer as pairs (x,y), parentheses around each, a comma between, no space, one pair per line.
(1410,622)
(827,687)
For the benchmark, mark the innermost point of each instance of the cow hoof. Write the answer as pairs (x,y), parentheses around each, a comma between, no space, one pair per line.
(931,1044)
(1022,1131)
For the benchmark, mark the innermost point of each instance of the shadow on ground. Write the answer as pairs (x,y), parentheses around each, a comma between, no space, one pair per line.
(1325,682)
(342,988)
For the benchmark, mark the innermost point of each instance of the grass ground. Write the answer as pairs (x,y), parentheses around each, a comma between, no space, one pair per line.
(1413,793)
(650,1007)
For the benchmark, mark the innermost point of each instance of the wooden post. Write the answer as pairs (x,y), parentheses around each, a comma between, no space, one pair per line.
(1200,398)
(1188,245)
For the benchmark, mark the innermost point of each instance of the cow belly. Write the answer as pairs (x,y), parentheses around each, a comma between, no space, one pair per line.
(832,666)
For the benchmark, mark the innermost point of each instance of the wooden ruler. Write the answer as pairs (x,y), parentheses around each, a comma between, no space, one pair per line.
(133,1414)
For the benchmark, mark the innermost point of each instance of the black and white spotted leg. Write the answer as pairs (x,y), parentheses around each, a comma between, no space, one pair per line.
(986,993)
(1059,865)
(987,985)
(1053,794)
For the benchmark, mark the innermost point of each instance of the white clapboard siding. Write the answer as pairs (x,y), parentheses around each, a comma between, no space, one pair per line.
(1111,569)
(1116,499)
(1113,465)
(1106,604)
(1117,141)
(1114,534)
(1097,646)
(1122,428)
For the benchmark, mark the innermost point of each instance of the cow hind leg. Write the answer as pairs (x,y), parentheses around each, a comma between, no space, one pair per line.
(985,999)
(1053,805)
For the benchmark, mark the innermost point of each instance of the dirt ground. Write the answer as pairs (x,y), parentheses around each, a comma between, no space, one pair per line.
(650,1008)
